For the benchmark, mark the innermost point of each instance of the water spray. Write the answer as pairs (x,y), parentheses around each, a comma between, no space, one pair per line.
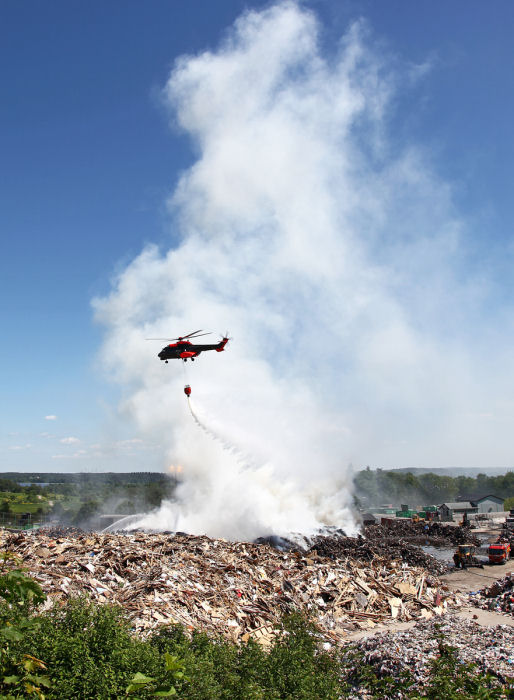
(244,460)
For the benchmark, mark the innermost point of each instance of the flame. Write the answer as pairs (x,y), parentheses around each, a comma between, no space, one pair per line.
(175,469)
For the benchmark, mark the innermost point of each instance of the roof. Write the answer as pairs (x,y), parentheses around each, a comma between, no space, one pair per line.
(368,517)
(477,497)
(457,505)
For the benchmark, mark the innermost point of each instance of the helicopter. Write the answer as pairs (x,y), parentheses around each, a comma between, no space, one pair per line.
(185,350)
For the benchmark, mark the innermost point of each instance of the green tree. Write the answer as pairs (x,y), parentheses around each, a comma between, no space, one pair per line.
(86,512)
(154,493)
(5,506)
(508,503)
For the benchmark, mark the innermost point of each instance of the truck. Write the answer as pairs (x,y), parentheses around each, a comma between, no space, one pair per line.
(499,552)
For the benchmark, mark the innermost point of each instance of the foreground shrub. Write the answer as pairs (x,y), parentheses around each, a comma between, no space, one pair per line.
(293,668)
(91,652)
(21,675)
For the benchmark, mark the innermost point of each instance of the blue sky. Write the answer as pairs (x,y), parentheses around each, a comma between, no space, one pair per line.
(89,158)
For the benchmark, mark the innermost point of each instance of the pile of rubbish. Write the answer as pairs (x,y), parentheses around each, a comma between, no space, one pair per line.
(390,654)
(499,596)
(371,548)
(506,537)
(435,533)
(236,589)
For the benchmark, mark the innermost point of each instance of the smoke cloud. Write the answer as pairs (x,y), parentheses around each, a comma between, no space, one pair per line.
(336,262)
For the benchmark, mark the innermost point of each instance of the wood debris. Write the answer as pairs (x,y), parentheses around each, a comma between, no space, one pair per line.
(400,540)
(236,589)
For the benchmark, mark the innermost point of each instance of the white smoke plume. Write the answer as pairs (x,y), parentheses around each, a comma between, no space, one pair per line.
(333,260)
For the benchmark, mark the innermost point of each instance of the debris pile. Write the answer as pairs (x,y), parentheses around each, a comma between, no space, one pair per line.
(506,538)
(237,589)
(63,531)
(435,533)
(373,548)
(490,648)
(499,596)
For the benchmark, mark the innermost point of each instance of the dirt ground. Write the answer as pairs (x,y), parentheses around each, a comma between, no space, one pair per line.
(468,580)
(472,579)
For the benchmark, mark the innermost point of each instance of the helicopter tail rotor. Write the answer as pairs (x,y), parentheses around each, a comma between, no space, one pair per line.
(223,341)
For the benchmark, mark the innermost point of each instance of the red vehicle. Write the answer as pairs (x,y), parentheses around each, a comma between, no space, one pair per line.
(499,553)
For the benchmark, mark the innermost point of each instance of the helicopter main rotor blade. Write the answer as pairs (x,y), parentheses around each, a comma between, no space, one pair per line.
(194,334)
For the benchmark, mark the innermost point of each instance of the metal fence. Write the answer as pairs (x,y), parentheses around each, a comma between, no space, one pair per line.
(22,521)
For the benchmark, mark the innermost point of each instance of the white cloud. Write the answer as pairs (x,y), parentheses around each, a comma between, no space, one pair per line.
(132,442)
(335,260)
(17,448)
(128,446)
(51,417)
(69,440)
(79,454)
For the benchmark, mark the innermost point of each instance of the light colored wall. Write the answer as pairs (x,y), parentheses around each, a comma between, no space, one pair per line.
(489,506)
(445,515)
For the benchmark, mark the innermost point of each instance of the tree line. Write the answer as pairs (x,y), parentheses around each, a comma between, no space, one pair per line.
(84,477)
(375,487)
(79,498)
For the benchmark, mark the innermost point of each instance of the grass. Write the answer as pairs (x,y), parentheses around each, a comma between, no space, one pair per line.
(18,502)
(20,507)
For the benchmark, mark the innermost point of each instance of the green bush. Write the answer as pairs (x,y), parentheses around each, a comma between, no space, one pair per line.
(296,669)
(21,675)
(88,651)
(91,652)
(359,675)
(218,669)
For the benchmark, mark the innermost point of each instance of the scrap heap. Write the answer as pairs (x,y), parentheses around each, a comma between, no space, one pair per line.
(434,533)
(499,596)
(373,547)
(391,654)
(236,589)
